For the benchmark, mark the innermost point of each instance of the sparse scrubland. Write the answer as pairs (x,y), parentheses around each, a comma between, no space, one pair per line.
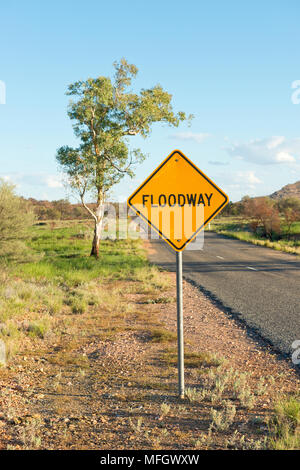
(91,358)
(263,221)
(238,227)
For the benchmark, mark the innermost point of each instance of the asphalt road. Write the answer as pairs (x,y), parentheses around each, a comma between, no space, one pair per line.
(260,285)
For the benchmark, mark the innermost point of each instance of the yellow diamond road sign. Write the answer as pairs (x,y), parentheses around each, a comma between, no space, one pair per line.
(177,200)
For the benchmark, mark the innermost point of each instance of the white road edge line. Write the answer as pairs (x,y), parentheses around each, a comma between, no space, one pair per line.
(253,269)
(221,257)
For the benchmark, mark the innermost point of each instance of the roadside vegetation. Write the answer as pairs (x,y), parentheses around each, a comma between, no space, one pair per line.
(74,326)
(16,218)
(285,425)
(263,221)
(64,279)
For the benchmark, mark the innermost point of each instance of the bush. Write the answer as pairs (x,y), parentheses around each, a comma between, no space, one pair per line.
(78,305)
(285,424)
(264,217)
(290,210)
(15,219)
(38,329)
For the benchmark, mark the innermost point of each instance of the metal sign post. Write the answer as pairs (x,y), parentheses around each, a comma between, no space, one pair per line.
(180,324)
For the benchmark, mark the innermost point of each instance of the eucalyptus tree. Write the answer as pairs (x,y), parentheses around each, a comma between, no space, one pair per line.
(106,115)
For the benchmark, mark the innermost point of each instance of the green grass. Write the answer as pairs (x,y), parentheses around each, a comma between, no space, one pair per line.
(285,425)
(66,257)
(44,299)
(64,278)
(295,229)
(192,360)
(38,329)
(162,336)
(160,300)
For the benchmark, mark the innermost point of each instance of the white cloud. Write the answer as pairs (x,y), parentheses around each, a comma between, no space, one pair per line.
(244,180)
(249,177)
(218,163)
(282,157)
(196,137)
(6,178)
(35,179)
(275,141)
(54,181)
(240,181)
(273,150)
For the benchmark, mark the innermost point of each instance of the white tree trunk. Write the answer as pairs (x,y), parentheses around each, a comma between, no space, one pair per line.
(97,230)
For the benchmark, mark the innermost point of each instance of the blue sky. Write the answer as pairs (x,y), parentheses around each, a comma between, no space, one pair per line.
(230,63)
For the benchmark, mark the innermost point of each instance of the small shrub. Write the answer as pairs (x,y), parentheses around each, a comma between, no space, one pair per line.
(192,360)
(239,384)
(246,398)
(30,434)
(243,392)
(37,329)
(191,394)
(285,425)
(261,387)
(78,306)
(137,427)
(239,442)
(152,279)
(54,305)
(162,336)
(165,409)
(221,420)
(159,300)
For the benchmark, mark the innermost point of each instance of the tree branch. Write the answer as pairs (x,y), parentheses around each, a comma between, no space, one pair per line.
(116,167)
(82,193)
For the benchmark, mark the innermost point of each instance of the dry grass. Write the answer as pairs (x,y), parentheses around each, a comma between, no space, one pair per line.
(285,424)
(160,335)
(96,368)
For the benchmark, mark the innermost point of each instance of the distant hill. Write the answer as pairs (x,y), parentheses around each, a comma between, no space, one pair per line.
(290,190)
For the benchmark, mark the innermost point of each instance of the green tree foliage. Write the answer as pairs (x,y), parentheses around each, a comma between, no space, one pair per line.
(15,219)
(290,210)
(289,203)
(61,209)
(106,114)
